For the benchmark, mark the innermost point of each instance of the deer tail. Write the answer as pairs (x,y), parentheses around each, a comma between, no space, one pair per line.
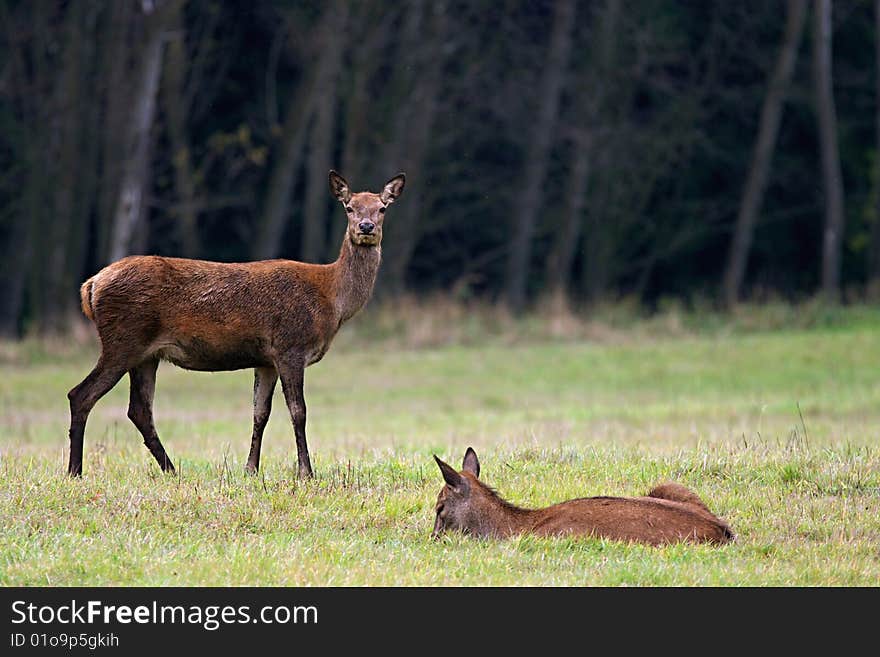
(85,297)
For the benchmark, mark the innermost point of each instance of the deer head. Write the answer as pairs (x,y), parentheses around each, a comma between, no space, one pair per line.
(365,210)
(464,503)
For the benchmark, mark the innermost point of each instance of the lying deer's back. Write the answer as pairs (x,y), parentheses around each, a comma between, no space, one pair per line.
(644,519)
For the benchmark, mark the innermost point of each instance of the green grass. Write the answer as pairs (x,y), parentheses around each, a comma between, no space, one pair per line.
(779,431)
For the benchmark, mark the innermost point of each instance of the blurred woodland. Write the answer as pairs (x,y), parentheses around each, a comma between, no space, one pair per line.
(572,150)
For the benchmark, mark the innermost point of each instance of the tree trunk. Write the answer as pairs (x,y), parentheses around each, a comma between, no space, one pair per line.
(561,257)
(537,157)
(599,241)
(89,165)
(18,248)
(33,77)
(173,95)
(356,123)
(355,127)
(832,182)
(117,90)
(270,231)
(17,257)
(371,34)
(321,139)
(415,127)
(593,99)
(874,249)
(57,298)
(756,182)
(131,203)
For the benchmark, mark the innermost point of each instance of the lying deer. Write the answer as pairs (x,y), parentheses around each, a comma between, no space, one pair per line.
(667,514)
(276,316)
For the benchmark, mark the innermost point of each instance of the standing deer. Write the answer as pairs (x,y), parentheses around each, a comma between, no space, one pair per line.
(277,316)
(669,513)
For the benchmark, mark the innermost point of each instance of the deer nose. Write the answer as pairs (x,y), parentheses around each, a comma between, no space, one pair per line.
(366,227)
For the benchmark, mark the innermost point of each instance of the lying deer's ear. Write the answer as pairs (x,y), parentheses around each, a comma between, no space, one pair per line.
(339,188)
(450,475)
(471,463)
(393,189)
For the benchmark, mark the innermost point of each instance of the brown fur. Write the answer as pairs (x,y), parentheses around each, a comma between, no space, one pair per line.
(669,513)
(85,297)
(276,316)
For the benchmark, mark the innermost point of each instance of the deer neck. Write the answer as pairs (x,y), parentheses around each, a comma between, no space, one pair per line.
(356,270)
(501,518)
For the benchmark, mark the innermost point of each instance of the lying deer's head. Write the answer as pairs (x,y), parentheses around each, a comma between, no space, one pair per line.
(464,502)
(365,210)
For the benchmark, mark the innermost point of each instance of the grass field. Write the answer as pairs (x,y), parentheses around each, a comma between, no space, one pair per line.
(779,431)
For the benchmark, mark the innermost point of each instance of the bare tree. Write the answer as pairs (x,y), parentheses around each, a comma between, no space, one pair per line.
(67,224)
(370,26)
(592,96)
(131,203)
(321,139)
(759,171)
(525,209)
(291,150)
(561,257)
(832,181)
(117,45)
(197,52)
(174,101)
(50,50)
(426,36)
(26,69)
(874,252)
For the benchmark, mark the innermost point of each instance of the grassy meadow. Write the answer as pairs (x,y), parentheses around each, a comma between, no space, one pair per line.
(776,426)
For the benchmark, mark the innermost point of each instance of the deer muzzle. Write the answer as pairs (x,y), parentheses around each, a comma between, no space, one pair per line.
(438,528)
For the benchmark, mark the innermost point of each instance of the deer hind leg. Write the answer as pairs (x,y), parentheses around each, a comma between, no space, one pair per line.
(83,398)
(265,379)
(292,383)
(140,410)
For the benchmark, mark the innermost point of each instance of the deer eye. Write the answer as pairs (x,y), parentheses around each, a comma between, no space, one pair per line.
(348,208)
(382,210)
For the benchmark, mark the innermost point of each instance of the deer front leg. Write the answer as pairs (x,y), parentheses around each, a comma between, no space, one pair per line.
(265,379)
(291,373)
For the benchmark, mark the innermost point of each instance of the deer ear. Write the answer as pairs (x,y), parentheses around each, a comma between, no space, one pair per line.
(471,463)
(339,188)
(393,189)
(450,475)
